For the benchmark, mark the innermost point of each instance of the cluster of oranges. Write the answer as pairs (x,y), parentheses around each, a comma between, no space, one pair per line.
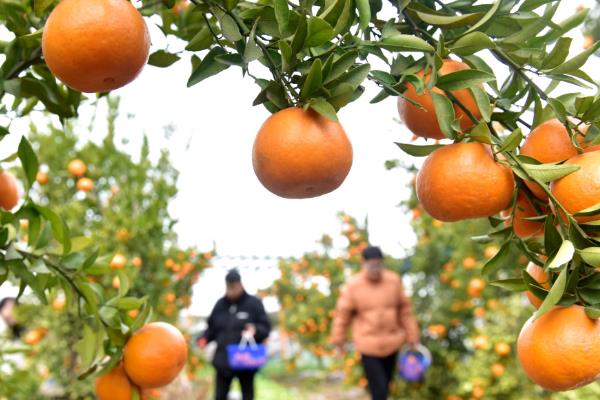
(152,357)
(467,180)
(464,180)
(77,169)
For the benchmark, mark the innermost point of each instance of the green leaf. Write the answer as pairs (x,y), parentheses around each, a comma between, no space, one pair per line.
(554,295)
(208,67)
(562,257)
(252,51)
(86,347)
(552,238)
(299,35)
(444,112)
(418,151)
(498,261)
(364,13)
(512,284)
(472,43)
(592,312)
(341,66)
(463,79)
(481,133)
(355,76)
(202,40)
(73,261)
(286,55)
(448,21)
(488,15)
(591,255)
(59,228)
(324,108)
(401,42)
(576,62)
(512,141)
(549,172)
(558,54)
(229,28)
(28,160)
(126,303)
(483,101)
(162,59)
(124,282)
(588,212)
(39,6)
(282,15)
(313,80)
(318,32)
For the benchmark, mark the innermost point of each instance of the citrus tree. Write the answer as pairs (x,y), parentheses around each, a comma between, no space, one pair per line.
(496,80)
(121,214)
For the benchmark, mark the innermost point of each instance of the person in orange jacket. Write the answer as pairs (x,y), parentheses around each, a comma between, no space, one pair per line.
(374,305)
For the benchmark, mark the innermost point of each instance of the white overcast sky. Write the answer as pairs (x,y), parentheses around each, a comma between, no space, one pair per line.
(220,198)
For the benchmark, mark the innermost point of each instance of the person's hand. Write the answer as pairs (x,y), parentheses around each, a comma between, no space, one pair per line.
(250,330)
(414,346)
(202,342)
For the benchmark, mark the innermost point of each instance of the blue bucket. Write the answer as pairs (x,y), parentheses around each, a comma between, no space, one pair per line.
(247,355)
(412,365)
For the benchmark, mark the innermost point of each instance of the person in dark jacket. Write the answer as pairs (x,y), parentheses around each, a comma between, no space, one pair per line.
(235,314)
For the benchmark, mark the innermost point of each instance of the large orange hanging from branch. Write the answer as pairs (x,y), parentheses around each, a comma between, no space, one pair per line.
(95,45)
(299,154)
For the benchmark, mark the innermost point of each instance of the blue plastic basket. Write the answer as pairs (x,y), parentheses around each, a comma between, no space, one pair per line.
(247,355)
(412,365)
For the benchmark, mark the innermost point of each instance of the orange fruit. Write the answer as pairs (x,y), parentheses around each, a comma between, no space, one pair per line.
(423,121)
(95,45)
(118,261)
(476,287)
(77,168)
(479,312)
(137,262)
(42,177)
(85,184)
(588,41)
(155,354)
(478,392)
(170,297)
(437,330)
(498,370)
(581,189)
(469,262)
(116,282)
(549,142)
(481,342)
(180,7)
(114,385)
(462,181)
(123,235)
(455,284)
(542,278)
(300,154)
(490,251)
(522,227)
(9,191)
(133,313)
(561,349)
(34,336)
(58,303)
(169,263)
(502,349)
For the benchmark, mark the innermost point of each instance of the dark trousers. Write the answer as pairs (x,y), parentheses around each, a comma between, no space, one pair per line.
(223,383)
(379,372)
